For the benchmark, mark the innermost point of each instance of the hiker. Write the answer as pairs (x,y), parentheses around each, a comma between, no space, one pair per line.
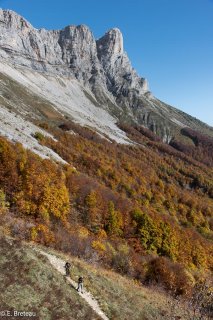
(80,284)
(67,268)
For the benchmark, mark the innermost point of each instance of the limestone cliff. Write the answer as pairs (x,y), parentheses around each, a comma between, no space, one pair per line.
(100,66)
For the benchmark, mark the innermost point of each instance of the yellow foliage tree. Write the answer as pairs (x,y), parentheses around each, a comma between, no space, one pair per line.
(42,190)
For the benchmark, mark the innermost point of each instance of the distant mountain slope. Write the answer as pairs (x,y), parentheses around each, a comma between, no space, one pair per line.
(39,96)
(89,81)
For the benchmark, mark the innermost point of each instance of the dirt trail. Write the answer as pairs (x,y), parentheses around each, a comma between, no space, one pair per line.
(59,265)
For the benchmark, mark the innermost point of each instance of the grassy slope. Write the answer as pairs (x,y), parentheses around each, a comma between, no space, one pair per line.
(29,283)
(16,98)
(121,298)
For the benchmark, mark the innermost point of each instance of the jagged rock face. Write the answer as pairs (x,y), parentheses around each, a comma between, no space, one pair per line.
(111,44)
(78,50)
(69,52)
(26,45)
(73,51)
(79,54)
(101,66)
(55,50)
(121,77)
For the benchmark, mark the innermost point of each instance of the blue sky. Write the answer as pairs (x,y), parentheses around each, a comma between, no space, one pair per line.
(170,42)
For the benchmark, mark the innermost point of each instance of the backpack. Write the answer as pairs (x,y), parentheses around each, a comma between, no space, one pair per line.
(80,280)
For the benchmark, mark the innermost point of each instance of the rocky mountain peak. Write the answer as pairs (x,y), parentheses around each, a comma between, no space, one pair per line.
(122,79)
(78,49)
(100,67)
(111,43)
(12,20)
(81,31)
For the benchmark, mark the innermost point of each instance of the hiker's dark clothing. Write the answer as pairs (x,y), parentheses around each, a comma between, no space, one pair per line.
(67,268)
(80,284)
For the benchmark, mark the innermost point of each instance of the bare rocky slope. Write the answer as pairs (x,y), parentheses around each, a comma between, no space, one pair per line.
(74,76)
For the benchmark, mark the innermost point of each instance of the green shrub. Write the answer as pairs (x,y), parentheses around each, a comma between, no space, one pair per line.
(38,136)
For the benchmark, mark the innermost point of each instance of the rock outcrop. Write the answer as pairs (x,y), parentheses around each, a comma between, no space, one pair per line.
(121,77)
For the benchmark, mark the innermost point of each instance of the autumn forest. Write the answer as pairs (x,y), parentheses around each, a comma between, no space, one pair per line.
(144,210)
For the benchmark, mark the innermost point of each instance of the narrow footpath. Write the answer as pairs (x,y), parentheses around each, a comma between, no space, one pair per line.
(59,264)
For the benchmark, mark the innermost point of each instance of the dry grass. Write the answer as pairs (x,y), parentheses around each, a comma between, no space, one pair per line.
(29,283)
(15,94)
(122,298)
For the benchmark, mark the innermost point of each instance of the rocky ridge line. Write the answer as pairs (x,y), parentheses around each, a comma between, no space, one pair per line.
(101,66)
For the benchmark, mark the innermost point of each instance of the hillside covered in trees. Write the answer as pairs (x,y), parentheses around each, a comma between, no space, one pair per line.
(143,210)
